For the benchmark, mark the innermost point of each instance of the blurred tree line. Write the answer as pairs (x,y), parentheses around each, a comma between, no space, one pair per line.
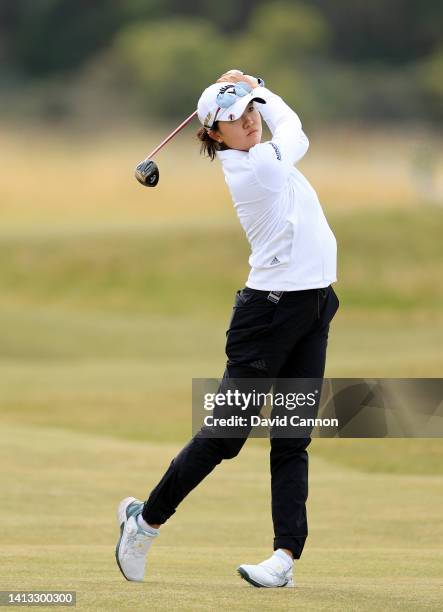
(344,59)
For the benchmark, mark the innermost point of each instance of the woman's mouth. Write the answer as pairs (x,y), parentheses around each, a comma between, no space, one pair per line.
(252,132)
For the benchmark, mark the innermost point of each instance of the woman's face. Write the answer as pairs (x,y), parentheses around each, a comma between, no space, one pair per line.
(241,134)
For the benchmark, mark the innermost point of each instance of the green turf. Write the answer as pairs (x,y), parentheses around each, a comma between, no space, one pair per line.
(375,539)
(101,332)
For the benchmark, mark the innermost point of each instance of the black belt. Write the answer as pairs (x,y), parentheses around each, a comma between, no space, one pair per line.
(275,296)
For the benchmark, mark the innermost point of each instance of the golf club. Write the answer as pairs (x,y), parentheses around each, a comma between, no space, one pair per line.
(147,172)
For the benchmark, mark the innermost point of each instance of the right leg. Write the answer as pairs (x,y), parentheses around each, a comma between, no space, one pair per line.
(193,463)
(244,349)
(250,332)
(197,459)
(138,521)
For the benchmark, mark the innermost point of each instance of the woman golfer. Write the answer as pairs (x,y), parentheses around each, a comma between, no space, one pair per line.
(281,318)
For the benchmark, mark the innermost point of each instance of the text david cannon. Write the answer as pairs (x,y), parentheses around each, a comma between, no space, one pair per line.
(256,421)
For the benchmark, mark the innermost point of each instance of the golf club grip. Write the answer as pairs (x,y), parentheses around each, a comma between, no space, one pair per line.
(171,135)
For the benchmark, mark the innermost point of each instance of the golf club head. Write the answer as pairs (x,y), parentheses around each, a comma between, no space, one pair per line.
(147,173)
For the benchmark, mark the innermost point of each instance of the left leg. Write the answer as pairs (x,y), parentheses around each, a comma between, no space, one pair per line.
(288,456)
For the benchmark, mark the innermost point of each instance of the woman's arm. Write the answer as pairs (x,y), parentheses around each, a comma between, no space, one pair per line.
(284,124)
(272,161)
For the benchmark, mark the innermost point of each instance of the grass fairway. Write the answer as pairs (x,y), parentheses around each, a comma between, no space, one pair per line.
(104,320)
(375,539)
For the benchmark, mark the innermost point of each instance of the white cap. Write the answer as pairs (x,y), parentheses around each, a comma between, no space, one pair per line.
(209,109)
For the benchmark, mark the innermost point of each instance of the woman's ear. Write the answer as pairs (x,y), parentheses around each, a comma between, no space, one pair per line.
(215,136)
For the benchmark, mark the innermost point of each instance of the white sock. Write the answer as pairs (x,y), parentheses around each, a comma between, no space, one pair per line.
(284,558)
(146,526)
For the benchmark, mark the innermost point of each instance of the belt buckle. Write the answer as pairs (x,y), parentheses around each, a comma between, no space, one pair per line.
(275,296)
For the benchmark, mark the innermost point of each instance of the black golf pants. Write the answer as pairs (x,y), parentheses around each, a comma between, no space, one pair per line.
(269,340)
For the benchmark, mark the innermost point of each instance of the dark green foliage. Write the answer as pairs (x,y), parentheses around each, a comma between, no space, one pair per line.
(389,31)
(377,60)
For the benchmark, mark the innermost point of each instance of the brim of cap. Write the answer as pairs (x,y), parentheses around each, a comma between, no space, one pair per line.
(236,110)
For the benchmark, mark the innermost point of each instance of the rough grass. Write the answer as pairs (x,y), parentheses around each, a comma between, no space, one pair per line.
(60,177)
(388,260)
(105,328)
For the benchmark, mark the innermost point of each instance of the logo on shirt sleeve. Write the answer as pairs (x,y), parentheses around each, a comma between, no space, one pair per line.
(276,149)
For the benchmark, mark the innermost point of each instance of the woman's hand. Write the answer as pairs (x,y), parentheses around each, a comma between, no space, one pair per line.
(235,76)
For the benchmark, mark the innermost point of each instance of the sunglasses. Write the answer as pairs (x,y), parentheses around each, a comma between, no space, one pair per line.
(229,94)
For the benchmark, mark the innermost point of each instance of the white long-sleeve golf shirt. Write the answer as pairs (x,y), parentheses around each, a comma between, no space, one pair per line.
(292,245)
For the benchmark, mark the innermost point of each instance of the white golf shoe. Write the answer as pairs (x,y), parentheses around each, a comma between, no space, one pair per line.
(269,574)
(134,542)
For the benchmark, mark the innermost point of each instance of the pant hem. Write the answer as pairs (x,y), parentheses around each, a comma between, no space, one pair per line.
(294,544)
(155,518)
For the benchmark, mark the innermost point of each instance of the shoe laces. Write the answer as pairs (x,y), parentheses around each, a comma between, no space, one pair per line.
(270,566)
(138,542)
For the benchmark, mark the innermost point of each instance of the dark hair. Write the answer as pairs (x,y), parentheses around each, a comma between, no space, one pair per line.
(209,146)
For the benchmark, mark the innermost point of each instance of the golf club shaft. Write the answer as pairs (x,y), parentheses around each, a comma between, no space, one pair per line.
(171,135)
